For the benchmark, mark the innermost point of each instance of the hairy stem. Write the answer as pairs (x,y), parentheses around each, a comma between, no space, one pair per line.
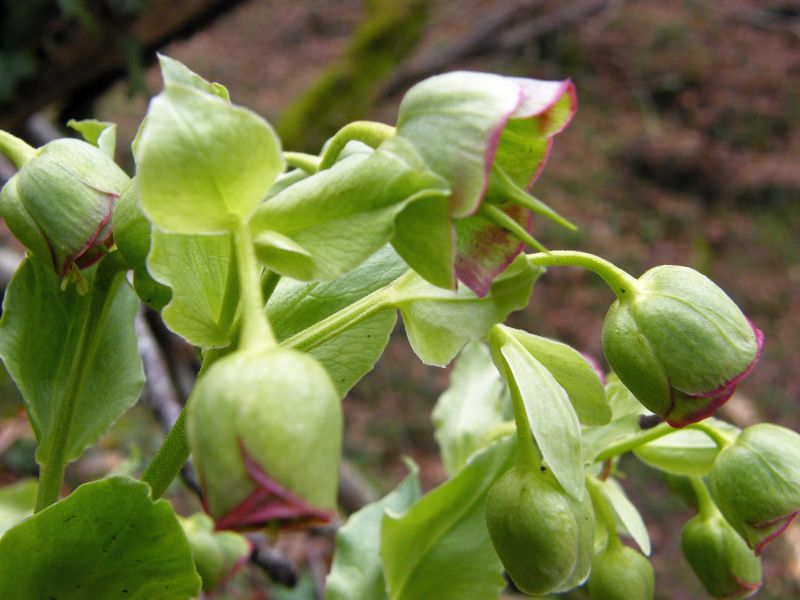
(632,442)
(106,281)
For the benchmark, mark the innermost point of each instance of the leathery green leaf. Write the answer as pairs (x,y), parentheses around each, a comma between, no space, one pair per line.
(108,540)
(38,337)
(440,322)
(469,408)
(357,571)
(203,163)
(552,418)
(440,547)
(201,271)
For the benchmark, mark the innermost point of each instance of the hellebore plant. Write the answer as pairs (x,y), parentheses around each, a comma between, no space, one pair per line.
(286,272)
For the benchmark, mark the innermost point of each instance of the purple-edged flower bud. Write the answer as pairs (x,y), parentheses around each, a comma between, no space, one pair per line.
(723,563)
(679,343)
(621,573)
(59,204)
(755,482)
(541,534)
(265,428)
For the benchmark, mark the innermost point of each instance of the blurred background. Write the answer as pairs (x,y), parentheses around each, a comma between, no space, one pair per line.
(684,150)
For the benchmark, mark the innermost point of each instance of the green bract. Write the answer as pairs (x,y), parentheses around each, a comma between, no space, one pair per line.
(621,573)
(542,535)
(755,482)
(265,429)
(679,343)
(59,204)
(720,558)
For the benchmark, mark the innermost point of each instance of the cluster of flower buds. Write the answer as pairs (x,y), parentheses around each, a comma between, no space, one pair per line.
(265,429)
(543,536)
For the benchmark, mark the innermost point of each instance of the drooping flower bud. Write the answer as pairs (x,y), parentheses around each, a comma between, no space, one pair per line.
(541,534)
(265,428)
(723,563)
(679,343)
(59,204)
(620,572)
(755,482)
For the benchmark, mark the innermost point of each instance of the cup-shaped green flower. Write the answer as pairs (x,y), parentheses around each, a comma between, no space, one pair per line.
(679,343)
(755,482)
(719,557)
(541,534)
(59,204)
(265,429)
(488,137)
(620,572)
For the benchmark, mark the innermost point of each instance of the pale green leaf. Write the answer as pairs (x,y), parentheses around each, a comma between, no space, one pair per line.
(173,71)
(440,322)
(107,540)
(470,407)
(440,547)
(201,271)
(684,452)
(626,512)
(100,133)
(574,373)
(16,502)
(203,163)
(38,339)
(552,418)
(353,351)
(357,571)
(338,217)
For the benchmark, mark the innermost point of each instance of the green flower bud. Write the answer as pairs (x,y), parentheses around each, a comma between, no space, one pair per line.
(542,535)
(755,482)
(679,343)
(265,428)
(59,204)
(723,563)
(621,573)
(217,555)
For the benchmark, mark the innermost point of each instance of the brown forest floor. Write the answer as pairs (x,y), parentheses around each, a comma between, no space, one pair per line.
(684,150)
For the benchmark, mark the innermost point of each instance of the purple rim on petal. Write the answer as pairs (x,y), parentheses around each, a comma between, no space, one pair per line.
(530,104)
(783,520)
(716,397)
(270,502)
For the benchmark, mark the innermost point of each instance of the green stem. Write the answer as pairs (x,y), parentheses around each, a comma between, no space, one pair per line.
(174,451)
(370,133)
(620,282)
(604,509)
(255,328)
(106,281)
(705,504)
(641,438)
(720,439)
(300,160)
(15,149)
